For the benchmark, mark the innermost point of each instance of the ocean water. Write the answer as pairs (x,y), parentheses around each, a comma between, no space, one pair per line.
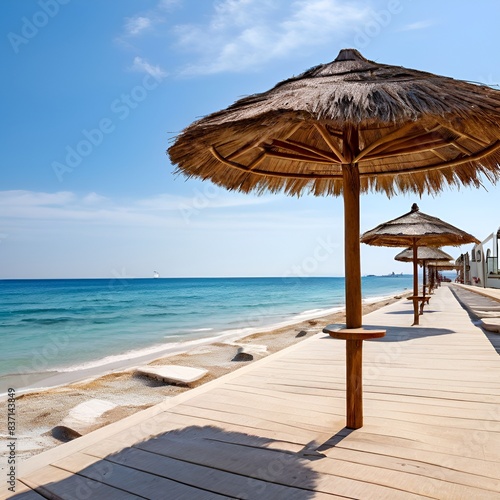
(71,324)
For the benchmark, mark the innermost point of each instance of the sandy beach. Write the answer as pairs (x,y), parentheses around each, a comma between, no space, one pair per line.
(42,411)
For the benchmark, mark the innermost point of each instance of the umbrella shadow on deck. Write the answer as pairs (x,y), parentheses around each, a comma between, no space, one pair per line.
(405,333)
(410,313)
(401,333)
(196,462)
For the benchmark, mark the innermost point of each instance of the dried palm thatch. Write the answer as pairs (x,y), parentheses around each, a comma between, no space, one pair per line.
(416,227)
(427,254)
(435,266)
(445,266)
(406,130)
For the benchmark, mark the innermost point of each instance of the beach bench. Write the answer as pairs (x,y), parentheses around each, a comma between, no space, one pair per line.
(173,374)
(420,298)
(490,324)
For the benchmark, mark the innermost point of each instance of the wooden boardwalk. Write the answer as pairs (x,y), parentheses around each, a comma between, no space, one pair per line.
(275,429)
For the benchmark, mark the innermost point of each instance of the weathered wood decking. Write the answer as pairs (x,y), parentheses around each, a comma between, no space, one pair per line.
(275,429)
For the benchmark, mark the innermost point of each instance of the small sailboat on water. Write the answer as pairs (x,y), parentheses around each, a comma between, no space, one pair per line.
(156,274)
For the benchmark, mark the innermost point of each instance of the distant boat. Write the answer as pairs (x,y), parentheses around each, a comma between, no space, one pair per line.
(156,274)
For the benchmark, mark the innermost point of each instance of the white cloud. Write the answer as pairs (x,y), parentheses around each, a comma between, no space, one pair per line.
(419,25)
(142,66)
(135,25)
(246,34)
(161,210)
(68,207)
(17,198)
(210,198)
(93,198)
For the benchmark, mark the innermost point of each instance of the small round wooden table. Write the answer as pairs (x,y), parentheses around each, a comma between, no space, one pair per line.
(354,374)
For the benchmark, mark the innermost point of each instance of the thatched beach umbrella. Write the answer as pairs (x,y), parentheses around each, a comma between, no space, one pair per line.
(424,255)
(347,127)
(414,229)
(436,266)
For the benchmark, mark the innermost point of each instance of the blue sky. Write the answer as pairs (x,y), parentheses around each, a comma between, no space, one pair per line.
(94,92)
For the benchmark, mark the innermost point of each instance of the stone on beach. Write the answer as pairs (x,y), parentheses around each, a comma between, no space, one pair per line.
(173,374)
(248,352)
(81,418)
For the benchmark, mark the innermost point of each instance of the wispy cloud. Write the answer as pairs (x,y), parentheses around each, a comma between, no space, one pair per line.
(218,198)
(18,198)
(245,34)
(93,198)
(136,25)
(419,25)
(147,20)
(160,210)
(142,66)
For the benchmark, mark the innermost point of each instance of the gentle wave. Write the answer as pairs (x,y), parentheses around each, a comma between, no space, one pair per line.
(47,321)
(176,344)
(311,311)
(159,314)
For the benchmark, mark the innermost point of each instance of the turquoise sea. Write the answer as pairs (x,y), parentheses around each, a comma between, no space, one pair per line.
(71,324)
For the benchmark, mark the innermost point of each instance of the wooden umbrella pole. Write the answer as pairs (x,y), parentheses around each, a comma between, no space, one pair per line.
(354,347)
(352,259)
(415,283)
(424,283)
(353,334)
(352,263)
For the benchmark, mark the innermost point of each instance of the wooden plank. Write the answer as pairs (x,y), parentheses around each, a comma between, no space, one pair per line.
(447,439)
(476,412)
(117,471)
(53,482)
(260,401)
(419,479)
(419,469)
(283,440)
(22,492)
(293,421)
(202,477)
(246,402)
(277,467)
(252,424)
(376,382)
(397,447)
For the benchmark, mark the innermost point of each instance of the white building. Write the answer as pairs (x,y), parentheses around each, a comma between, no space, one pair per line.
(483,263)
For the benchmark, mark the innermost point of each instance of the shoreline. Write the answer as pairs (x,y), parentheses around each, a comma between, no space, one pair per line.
(52,378)
(42,410)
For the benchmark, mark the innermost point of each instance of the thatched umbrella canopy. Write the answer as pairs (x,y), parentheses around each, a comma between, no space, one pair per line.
(424,256)
(436,266)
(414,229)
(348,127)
